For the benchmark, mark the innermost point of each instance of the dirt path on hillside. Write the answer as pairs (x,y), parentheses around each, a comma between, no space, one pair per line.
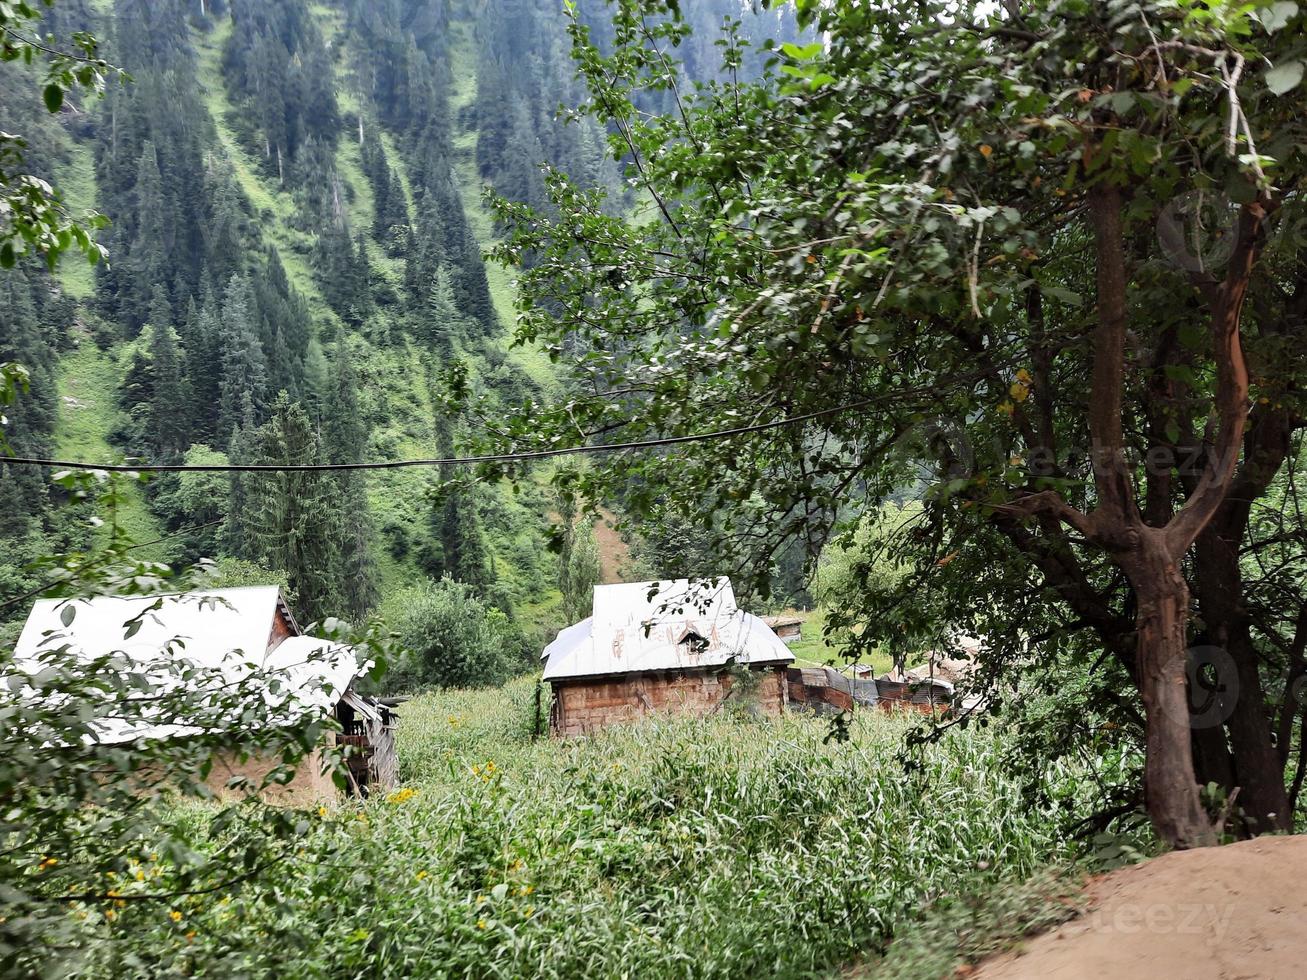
(1219,912)
(614,553)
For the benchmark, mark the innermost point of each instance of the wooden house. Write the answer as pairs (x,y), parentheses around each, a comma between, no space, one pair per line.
(662,647)
(232,634)
(788,628)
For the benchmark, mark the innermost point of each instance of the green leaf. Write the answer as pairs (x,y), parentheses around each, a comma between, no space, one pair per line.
(1282,78)
(1278,15)
(802,53)
(7,255)
(1061,295)
(54,97)
(67,613)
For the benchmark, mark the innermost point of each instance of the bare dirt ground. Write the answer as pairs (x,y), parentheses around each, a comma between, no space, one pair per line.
(1218,912)
(614,553)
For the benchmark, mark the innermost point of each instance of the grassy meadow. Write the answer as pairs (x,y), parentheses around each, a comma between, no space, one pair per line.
(683,848)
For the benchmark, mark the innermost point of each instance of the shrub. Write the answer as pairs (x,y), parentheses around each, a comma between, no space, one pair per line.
(454,639)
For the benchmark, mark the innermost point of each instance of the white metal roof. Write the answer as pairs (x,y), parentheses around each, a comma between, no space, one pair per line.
(222,630)
(676,625)
(211,624)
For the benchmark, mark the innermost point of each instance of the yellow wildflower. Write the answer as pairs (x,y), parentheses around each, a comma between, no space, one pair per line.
(175,915)
(110,914)
(481,923)
(140,875)
(47,863)
(322,811)
(529,911)
(402,795)
(420,875)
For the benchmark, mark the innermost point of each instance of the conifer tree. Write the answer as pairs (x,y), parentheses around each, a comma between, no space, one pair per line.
(345,440)
(29,422)
(170,410)
(242,386)
(202,337)
(455,546)
(292,518)
(440,320)
(148,264)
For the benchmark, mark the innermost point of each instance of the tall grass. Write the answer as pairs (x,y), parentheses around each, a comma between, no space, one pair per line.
(681,848)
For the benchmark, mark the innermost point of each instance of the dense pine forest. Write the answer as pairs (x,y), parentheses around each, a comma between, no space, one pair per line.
(296,274)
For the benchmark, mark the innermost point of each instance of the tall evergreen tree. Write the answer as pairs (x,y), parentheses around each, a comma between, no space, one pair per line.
(242,385)
(293,517)
(345,440)
(456,545)
(170,411)
(202,340)
(148,249)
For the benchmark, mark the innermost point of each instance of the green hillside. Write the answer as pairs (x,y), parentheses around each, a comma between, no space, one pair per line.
(109,406)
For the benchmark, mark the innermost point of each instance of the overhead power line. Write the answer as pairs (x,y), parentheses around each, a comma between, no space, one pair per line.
(396,464)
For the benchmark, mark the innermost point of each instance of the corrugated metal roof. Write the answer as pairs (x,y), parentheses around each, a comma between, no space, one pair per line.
(647,626)
(222,630)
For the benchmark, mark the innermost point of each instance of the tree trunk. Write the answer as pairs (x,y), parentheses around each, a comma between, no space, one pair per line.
(1170,785)
(1212,763)
(1257,767)
(1218,583)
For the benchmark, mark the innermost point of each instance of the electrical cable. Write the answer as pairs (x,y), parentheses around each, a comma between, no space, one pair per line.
(396,464)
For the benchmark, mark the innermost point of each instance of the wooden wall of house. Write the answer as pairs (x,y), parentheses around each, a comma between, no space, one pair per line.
(587,705)
(308,786)
(281,627)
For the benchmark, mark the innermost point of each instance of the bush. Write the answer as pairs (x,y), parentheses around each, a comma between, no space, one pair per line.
(454,639)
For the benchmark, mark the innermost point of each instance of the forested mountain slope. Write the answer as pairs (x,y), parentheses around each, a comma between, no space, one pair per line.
(296,274)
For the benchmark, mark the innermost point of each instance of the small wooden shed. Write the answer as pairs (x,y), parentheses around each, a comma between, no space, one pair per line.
(231,632)
(654,647)
(788,628)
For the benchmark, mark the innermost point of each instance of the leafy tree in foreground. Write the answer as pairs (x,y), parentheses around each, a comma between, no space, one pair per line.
(32,217)
(970,228)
